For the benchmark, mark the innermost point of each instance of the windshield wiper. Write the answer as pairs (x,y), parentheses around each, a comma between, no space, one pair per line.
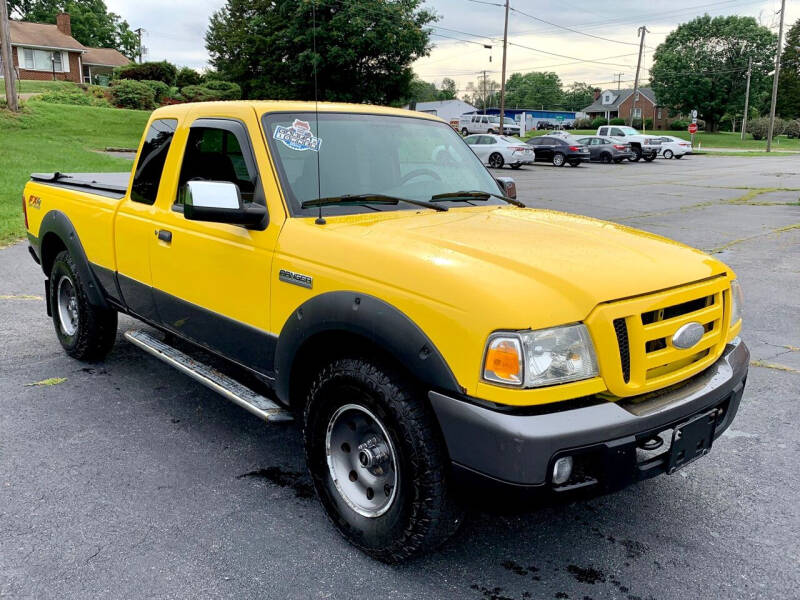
(365,199)
(467,195)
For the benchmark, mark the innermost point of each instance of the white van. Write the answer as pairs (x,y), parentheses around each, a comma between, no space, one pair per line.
(468,124)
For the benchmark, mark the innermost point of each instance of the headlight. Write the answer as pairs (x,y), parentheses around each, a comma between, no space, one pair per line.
(542,357)
(736,302)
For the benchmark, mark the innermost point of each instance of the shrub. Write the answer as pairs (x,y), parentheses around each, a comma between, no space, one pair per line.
(599,122)
(617,121)
(648,123)
(187,76)
(212,90)
(678,125)
(227,89)
(636,123)
(71,95)
(583,123)
(126,93)
(793,128)
(160,89)
(759,128)
(149,71)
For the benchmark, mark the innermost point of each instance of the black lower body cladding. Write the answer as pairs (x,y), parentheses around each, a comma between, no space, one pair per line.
(519,450)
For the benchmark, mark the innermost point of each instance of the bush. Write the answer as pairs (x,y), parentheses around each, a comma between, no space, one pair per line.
(793,128)
(160,89)
(149,71)
(648,123)
(617,121)
(211,91)
(636,124)
(758,128)
(583,123)
(127,93)
(187,76)
(71,95)
(678,125)
(599,122)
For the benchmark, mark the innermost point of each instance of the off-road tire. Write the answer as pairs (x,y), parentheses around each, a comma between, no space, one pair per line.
(423,513)
(96,327)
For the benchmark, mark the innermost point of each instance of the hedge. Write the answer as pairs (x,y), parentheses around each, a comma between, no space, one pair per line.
(149,71)
(127,93)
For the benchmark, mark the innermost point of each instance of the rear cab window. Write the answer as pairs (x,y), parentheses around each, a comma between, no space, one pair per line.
(147,176)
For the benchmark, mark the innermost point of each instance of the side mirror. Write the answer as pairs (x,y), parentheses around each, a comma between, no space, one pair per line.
(219,202)
(508,186)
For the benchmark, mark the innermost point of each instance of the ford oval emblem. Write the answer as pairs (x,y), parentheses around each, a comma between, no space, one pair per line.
(688,335)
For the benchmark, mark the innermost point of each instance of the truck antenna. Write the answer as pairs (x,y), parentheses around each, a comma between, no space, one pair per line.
(319,220)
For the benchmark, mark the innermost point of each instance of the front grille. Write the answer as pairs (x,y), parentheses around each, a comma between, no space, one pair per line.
(641,330)
(621,329)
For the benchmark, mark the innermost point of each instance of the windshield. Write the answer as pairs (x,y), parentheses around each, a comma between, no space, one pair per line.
(629,131)
(405,157)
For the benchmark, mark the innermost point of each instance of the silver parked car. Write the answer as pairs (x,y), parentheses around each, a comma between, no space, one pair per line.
(499,150)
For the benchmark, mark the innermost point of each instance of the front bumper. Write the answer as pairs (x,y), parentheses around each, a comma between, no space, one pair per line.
(519,449)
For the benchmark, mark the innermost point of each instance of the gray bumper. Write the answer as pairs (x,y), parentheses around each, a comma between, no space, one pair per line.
(518,449)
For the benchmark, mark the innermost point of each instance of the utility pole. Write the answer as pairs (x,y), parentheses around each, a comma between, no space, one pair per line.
(747,96)
(618,77)
(484,91)
(502,76)
(775,79)
(642,30)
(139,31)
(6,59)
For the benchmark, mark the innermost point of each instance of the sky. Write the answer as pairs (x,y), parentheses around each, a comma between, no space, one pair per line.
(174,30)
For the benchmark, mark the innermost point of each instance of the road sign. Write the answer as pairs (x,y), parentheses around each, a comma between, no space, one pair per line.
(559,117)
(693,128)
(694,114)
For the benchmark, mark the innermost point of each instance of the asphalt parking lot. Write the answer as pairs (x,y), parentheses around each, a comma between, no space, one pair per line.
(128,480)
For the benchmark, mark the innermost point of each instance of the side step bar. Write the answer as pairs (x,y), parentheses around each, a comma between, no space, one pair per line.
(209,377)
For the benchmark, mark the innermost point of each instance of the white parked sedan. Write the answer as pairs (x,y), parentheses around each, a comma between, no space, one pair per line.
(672,146)
(499,150)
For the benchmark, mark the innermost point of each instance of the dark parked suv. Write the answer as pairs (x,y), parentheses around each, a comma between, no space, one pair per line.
(559,151)
(606,149)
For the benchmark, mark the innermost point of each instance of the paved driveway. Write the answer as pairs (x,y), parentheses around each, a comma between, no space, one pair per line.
(128,480)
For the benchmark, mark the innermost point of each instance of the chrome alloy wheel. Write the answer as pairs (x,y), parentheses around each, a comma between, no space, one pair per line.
(361,460)
(67,300)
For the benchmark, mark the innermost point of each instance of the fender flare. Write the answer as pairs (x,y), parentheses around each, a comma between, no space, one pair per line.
(371,318)
(57,223)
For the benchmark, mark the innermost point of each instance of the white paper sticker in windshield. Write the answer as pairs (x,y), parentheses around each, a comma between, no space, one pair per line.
(298,136)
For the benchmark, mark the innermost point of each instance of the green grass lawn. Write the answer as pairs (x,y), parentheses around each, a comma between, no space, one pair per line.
(25,86)
(58,137)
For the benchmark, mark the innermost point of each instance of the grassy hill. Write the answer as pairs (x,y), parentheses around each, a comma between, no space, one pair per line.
(57,137)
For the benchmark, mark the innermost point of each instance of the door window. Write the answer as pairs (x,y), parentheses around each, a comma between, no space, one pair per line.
(472,139)
(487,140)
(147,176)
(617,132)
(216,154)
(603,131)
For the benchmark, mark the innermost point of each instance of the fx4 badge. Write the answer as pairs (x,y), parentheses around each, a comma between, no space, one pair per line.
(295,278)
(34,202)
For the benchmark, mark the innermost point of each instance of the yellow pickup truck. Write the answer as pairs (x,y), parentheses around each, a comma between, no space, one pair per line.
(430,331)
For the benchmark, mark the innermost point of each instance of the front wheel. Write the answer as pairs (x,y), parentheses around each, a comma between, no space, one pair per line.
(668,154)
(679,156)
(637,155)
(86,332)
(496,160)
(378,461)
(558,159)
(516,166)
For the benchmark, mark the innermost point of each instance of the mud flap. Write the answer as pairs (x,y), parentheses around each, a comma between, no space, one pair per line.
(47,297)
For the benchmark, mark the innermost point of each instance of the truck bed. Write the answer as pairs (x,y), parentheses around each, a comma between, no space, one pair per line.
(112,185)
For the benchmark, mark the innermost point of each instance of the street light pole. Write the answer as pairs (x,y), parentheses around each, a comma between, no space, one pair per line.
(775,79)
(6,59)
(503,75)
(642,30)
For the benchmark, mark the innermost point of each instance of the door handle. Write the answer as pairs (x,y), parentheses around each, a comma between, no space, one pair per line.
(164,235)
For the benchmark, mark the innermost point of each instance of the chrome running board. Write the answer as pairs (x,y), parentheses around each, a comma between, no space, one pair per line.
(209,377)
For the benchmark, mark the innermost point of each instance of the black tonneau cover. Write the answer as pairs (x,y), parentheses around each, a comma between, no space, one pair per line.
(113,185)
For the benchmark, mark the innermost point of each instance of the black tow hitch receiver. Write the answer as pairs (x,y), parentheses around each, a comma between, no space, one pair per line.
(692,439)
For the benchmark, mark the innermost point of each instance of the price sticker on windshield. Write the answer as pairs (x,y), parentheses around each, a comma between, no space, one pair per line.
(298,136)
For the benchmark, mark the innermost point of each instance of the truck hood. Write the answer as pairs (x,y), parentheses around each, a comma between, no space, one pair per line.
(469,256)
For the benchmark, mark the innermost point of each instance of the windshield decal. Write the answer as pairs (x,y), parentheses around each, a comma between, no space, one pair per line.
(298,136)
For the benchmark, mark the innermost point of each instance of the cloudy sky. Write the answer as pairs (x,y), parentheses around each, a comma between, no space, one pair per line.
(175,28)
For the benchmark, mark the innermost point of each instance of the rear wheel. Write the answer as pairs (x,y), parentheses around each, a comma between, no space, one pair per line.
(496,160)
(490,132)
(679,156)
(668,154)
(606,158)
(464,131)
(377,460)
(558,159)
(574,163)
(86,332)
(650,157)
(618,160)
(516,166)
(637,154)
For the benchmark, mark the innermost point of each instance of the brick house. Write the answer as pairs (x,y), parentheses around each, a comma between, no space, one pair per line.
(43,51)
(610,104)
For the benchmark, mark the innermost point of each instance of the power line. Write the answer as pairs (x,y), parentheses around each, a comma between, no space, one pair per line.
(598,37)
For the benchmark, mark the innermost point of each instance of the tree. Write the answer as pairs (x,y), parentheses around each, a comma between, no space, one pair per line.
(448,89)
(421,91)
(702,65)
(483,93)
(534,90)
(578,96)
(364,47)
(92,24)
(789,82)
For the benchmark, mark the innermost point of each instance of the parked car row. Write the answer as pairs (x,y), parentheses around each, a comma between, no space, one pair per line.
(610,145)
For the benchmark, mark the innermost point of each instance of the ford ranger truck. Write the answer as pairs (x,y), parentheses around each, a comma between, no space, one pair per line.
(643,146)
(426,329)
